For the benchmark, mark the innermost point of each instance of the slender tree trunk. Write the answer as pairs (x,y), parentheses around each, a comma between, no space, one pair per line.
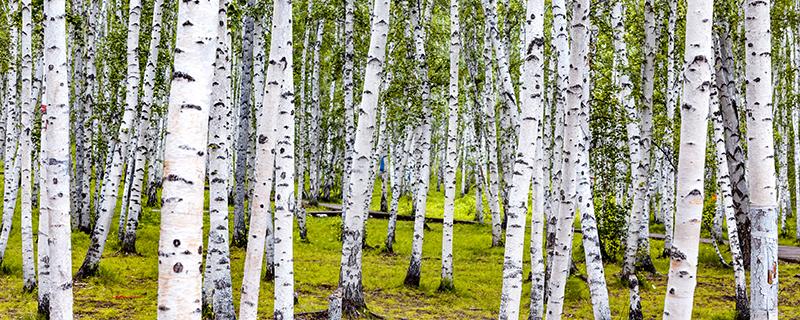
(761,174)
(181,241)
(493,188)
(691,161)
(356,206)
(347,88)
(264,166)
(314,119)
(576,97)
(538,219)
(531,98)
(110,188)
(217,286)
(26,148)
(57,151)
(648,77)
(672,91)
(723,181)
(143,142)
(633,134)
(400,163)
(451,160)
(423,150)
(585,198)
(10,159)
(42,247)
(243,132)
(560,41)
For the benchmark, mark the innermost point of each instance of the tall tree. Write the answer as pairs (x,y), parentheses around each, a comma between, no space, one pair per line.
(26,148)
(261,219)
(422,152)
(691,160)
(110,188)
(763,208)
(10,159)
(143,142)
(280,58)
(531,98)
(57,152)
(243,131)
(356,206)
(451,160)
(724,184)
(180,244)
(217,286)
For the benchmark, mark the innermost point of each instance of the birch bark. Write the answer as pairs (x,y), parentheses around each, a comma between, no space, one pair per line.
(761,173)
(531,94)
(180,245)
(56,166)
(110,188)
(355,207)
(217,286)
(691,161)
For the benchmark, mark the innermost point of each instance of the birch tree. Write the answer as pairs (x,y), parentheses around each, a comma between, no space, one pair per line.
(724,184)
(57,129)
(264,166)
(110,188)
(531,98)
(243,130)
(763,208)
(217,286)
(143,142)
(281,58)
(356,206)
(180,244)
(26,148)
(451,160)
(691,160)
(423,149)
(10,159)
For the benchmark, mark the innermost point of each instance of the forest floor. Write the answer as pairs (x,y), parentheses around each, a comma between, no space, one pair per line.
(126,286)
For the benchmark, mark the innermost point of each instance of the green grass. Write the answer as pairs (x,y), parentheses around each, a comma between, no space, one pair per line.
(126,286)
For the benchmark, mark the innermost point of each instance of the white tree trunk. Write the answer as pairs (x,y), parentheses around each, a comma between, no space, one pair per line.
(217,291)
(56,165)
(110,188)
(493,188)
(10,159)
(423,150)
(181,242)
(280,58)
(691,161)
(451,160)
(42,247)
(143,142)
(672,91)
(356,205)
(724,183)
(347,88)
(761,173)
(578,79)
(26,148)
(263,175)
(531,98)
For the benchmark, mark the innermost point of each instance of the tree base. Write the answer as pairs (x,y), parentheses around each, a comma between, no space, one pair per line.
(28,287)
(446,285)
(86,270)
(411,280)
(43,309)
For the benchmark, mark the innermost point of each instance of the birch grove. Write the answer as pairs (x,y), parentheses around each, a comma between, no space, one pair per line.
(179,144)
